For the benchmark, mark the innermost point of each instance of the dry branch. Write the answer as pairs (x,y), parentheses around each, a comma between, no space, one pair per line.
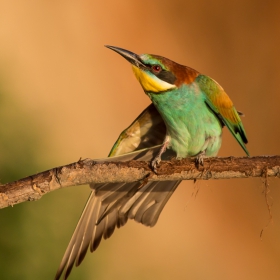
(89,171)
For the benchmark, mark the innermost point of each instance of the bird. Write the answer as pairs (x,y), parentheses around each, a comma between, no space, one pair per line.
(185,119)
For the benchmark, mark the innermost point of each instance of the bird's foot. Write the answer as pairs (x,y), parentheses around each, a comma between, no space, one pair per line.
(155,162)
(199,159)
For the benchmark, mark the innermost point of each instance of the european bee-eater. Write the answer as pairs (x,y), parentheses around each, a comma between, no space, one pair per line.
(186,117)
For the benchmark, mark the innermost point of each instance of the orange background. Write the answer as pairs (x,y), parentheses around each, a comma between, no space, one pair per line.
(64,96)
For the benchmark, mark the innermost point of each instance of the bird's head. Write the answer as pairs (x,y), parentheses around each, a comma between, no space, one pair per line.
(155,73)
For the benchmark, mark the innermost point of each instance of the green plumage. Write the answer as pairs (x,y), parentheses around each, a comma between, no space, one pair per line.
(214,98)
(191,124)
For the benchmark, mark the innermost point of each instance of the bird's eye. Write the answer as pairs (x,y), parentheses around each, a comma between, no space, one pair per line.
(156,69)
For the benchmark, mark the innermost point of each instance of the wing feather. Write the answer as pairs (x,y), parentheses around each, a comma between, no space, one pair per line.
(220,103)
(110,205)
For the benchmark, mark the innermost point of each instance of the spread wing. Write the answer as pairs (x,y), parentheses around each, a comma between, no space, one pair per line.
(146,131)
(110,205)
(220,103)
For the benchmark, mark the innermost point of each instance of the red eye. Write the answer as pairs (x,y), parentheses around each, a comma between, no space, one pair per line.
(156,69)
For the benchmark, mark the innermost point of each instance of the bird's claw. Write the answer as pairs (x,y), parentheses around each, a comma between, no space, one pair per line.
(199,159)
(155,162)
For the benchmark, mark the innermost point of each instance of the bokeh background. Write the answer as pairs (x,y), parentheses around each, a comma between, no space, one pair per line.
(64,96)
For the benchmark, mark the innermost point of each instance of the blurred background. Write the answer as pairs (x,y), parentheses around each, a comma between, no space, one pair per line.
(64,96)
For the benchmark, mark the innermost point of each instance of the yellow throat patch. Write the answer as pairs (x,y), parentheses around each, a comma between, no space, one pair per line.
(150,84)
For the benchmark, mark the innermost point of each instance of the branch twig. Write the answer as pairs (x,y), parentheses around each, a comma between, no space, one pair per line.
(89,171)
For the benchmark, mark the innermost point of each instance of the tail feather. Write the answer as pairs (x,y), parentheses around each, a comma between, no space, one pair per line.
(102,213)
(110,205)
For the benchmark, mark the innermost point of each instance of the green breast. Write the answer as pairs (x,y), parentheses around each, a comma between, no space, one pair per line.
(189,121)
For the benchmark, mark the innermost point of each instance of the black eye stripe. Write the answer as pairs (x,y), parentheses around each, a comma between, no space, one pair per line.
(164,75)
(167,76)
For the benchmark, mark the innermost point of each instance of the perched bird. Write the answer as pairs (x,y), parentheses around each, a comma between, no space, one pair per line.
(185,119)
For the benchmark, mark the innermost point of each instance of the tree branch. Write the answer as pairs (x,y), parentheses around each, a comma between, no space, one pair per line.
(89,171)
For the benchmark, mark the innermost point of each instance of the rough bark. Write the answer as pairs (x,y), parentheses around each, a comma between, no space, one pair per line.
(88,171)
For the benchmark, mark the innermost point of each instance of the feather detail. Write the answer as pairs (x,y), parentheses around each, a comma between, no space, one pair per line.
(220,103)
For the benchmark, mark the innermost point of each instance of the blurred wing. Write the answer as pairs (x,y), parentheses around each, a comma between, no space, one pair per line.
(222,106)
(110,205)
(146,131)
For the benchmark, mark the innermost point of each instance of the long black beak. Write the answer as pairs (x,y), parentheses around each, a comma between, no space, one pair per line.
(133,58)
